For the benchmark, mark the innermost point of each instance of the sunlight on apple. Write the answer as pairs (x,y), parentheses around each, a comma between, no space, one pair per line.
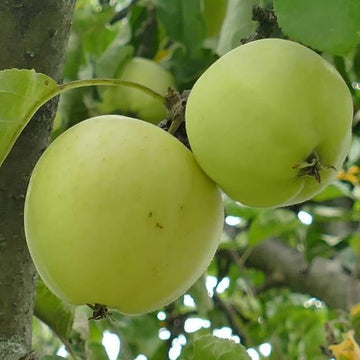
(195,324)
(226,333)
(111,344)
(253,354)
(265,349)
(223,285)
(211,282)
(189,301)
(305,217)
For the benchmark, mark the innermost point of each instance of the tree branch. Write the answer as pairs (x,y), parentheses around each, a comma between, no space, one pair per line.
(322,278)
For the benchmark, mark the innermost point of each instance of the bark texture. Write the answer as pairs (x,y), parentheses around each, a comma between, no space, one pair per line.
(33,34)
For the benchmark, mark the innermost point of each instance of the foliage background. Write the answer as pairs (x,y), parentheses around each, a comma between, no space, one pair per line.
(241,297)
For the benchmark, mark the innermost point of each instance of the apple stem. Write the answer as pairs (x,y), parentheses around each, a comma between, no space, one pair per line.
(312,167)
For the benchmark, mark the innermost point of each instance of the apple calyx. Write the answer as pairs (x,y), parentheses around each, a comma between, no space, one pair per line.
(312,167)
(99,312)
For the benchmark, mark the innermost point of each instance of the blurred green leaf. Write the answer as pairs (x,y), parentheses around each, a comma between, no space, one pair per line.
(75,57)
(52,357)
(95,38)
(237,25)
(21,94)
(333,191)
(270,223)
(234,208)
(96,350)
(139,332)
(354,153)
(331,26)
(212,348)
(357,62)
(59,316)
(183,22)
(111,61)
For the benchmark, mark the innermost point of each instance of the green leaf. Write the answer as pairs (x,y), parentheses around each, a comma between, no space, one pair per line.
(183,22)
(59,316)
(95,38)
(357,62)
(111,61)
(22,92)
(331,26)
(270,223)
(139,332)
(234,208)
(212,348)
(333,191)
(52,357)
(237,25)
(97,351)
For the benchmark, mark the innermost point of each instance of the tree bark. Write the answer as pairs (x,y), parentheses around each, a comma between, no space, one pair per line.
(33,34)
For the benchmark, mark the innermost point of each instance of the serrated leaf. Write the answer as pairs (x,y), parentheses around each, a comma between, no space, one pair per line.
(58,315)
(271,223)
(212,348)
(331,26)
(22,92)
(237,25)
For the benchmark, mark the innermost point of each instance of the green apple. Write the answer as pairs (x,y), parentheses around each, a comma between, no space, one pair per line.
(119,213)
(270,122)
(129,101)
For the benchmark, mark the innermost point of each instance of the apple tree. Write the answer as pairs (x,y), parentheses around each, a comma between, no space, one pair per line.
(180,179)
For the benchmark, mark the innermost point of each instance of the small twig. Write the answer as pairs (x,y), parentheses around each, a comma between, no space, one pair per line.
(125,351)
(267,24)
(175,122)
(232,317)
(122,13)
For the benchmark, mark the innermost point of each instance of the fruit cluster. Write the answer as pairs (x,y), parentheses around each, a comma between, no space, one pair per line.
(119,212)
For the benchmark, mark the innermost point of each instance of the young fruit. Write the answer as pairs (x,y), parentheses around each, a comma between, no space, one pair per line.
(130,101)
(270,122)
(118,213)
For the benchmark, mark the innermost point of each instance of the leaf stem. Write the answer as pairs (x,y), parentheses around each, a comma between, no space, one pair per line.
(112,82)
(92,82)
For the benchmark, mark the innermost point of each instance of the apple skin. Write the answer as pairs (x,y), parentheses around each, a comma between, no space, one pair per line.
(259,112)
(119,213)
(125,100)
